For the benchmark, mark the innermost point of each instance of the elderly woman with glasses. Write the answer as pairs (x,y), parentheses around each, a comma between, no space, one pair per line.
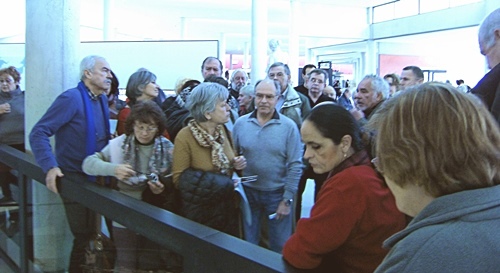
(354,211)
(204,161)
(439,151)
(141,161)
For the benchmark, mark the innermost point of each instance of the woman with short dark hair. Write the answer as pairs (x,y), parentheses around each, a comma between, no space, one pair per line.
(141,160)
(140,86)
(354,211)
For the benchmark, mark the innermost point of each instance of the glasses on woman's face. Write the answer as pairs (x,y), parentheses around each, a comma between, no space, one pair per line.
(376,164)
(147,129)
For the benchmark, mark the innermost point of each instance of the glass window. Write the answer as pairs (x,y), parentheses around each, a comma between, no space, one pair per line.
(405,8)
(383,13)
(456,3)
(433,5)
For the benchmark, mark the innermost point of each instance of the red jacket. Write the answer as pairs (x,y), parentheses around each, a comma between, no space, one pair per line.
(354,213)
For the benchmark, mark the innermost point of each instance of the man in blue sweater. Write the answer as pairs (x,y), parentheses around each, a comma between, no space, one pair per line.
(271,143)
(79,120)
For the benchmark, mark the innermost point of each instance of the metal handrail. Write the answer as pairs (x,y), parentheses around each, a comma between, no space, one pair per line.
(203,249)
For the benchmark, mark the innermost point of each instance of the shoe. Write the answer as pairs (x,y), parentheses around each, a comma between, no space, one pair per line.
(7,201)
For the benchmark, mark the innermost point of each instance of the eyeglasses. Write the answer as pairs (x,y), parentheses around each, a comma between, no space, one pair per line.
(145,129)
(376,164)
(262,96)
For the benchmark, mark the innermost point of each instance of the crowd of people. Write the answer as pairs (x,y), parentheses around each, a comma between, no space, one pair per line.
(407,173)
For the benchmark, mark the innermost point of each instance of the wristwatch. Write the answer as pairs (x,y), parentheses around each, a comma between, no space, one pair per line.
(288,202)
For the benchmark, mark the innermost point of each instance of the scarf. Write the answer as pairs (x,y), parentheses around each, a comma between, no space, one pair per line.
(159,161)
(91,141)
(219,158)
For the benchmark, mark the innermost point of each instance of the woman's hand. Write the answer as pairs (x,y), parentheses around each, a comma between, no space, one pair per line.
(124,171)
(4,108)
(239,162)
(156,187)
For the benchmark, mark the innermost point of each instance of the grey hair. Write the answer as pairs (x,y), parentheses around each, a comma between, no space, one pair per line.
(137,82)
(378,84)
(276,83)
(237,71)
(487,29)
(278,64)
(204,99)
(248,90)
(88,63)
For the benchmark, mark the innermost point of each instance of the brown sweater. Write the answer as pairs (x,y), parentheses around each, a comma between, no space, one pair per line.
(188,153)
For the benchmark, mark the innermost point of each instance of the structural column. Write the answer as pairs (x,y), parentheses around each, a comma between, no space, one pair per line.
(108,21)
(259,40)
(293,41)
(222,52)
(246,53)
(52,66)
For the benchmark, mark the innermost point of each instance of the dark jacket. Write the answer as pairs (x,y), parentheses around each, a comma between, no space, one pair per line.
(208,198)
(177,117)
(488,89)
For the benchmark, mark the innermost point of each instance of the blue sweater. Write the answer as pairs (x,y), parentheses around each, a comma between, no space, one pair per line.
(273,152)
(458,232)
(12,124)
(65,119)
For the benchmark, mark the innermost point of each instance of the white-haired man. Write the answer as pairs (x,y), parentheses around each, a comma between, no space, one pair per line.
(488,88)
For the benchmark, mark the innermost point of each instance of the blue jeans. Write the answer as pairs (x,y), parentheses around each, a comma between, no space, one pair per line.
(262,204)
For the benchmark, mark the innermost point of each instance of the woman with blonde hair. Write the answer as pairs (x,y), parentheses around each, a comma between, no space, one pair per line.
(439,151)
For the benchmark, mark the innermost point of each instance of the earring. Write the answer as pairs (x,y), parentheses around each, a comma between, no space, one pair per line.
(345,155)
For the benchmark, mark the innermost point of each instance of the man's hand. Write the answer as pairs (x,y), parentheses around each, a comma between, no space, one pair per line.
(283,210)
(239,162)
(357,114)
(124,171)
(50,179)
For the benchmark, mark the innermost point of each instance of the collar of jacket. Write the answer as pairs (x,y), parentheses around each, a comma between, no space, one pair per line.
(292,98)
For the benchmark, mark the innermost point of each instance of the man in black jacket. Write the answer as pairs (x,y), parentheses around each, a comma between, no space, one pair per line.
(488,88)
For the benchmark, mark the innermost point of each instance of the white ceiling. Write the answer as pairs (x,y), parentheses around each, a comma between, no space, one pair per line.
(321,22)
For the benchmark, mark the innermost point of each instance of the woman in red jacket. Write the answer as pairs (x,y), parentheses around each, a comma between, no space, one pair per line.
(354,212)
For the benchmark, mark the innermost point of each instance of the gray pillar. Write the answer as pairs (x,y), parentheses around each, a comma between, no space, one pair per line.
(183,28)
(108,21)
(222,52)
(293,44)
(246,52)
(52,60)
(259,40)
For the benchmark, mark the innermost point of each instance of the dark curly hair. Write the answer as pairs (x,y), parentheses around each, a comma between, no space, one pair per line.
(12,71)
(145,112)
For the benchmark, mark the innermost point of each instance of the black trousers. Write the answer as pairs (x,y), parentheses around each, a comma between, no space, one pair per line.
(7,178)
